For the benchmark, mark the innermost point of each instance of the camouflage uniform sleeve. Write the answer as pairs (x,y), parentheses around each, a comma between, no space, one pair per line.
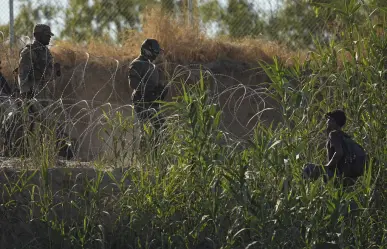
(49,72)
(135,75)
(25,67)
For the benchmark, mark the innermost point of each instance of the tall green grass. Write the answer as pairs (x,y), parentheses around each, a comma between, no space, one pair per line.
(202,189)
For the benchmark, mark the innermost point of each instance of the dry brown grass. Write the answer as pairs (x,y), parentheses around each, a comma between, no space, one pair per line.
(8,60)
(182,44)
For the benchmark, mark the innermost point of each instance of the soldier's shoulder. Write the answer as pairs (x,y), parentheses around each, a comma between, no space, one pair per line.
(31,47)
(335,135)
(137,63)
(137,60)
(26,49)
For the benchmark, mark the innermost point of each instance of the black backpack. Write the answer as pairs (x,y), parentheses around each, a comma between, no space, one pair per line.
(354,156)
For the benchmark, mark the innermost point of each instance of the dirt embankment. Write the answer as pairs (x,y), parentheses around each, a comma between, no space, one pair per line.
(91,83)
(94,77)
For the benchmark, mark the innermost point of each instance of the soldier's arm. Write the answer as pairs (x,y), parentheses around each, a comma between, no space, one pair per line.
(57,69)
(336,141)
(135,75)
(24,70)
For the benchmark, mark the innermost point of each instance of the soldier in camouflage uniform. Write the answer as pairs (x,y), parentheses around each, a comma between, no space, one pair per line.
(344,155)
(145,82)
(36,70)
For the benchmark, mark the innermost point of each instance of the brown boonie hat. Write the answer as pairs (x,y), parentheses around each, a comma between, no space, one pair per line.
(43,28)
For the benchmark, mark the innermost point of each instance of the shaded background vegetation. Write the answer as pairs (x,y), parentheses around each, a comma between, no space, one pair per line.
(293,23)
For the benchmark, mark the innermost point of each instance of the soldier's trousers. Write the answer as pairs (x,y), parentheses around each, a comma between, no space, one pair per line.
(42,109)
(147,112)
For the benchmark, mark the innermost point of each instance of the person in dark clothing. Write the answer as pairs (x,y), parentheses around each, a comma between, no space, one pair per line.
(346,158)
(145,82)
(8,106)
(37,70)
(5,88)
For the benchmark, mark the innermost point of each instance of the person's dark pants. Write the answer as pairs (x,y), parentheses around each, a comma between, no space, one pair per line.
(41,111)
(148,112)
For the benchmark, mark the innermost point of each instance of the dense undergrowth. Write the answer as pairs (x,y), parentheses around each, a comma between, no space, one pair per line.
(202,189)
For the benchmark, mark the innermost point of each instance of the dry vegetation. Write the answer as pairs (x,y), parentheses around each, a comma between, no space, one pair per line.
(182,43)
